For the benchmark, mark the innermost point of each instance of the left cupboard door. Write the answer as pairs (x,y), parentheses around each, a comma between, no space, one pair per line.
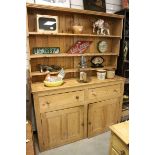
(62,126)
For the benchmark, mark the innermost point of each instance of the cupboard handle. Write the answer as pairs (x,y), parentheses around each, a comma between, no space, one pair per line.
(89,123)
(122,152)
(77,97)
(82,124)
(115,90)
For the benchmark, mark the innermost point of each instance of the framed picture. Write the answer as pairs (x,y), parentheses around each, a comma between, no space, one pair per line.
(46,23)
(60,3)
(95,5)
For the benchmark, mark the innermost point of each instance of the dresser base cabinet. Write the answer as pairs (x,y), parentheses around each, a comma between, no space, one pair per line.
(71,112)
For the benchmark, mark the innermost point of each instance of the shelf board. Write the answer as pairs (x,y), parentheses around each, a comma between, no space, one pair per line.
(71,10)
(71,34)
(69,55)
(74,70)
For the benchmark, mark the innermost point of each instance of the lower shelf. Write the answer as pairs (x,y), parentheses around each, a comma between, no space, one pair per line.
(74,70)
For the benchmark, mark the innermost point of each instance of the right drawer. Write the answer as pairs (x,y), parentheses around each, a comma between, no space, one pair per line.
(105,92)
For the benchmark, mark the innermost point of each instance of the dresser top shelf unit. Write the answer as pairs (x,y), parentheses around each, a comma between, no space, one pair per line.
(71,10)
(65,38)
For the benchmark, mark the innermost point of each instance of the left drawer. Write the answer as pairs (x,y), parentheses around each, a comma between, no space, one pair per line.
(57,101)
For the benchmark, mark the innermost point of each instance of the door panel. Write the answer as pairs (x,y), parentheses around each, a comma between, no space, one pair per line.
(101,115)
(62,126)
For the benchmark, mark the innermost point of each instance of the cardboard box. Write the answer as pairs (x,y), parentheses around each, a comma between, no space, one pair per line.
(77,7)
(77,2)
(114,2)
(59,3)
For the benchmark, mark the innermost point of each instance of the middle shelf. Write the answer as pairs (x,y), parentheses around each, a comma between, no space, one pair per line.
(70,55)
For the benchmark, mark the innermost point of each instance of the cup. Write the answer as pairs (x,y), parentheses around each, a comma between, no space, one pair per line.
(101,74)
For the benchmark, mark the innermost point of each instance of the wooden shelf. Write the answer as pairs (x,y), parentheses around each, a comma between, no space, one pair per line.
(38,73)
(71,34)
(69,55)
(71,10)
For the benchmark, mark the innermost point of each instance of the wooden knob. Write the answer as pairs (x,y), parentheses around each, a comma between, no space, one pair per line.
(122,152)
(82,124)
(47,103)
(89,123)
(115,90)
(77,97)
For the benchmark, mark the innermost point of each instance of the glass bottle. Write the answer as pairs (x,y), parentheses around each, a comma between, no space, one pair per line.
(84,72)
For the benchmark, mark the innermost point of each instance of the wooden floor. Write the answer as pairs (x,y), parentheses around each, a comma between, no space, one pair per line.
(98,145)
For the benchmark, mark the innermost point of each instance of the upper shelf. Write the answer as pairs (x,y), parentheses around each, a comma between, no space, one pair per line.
(70,10)
(70,34)
(69,55)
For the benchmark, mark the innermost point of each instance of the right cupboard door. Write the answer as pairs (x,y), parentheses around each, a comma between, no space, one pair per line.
(103,114)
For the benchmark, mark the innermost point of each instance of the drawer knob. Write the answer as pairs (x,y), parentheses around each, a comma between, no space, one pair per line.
(122,152)
(47,103)
(77,97)
(89,123)
(115,90)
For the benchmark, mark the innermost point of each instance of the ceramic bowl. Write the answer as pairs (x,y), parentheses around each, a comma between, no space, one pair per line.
(77,29)
(53,84)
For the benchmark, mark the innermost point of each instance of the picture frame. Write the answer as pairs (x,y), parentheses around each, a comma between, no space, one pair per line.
(47,23)
(95,5)
(59,3)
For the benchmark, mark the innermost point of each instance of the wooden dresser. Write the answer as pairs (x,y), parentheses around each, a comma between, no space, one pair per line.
(120,139)
(75,111)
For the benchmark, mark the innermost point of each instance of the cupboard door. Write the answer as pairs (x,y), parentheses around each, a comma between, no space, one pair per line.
(62,126)
(103,114)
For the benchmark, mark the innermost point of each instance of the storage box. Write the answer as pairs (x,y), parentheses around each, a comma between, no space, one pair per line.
(112,8)
(77,2)
(77,6)
(59,3)
(114,2)
(46,23)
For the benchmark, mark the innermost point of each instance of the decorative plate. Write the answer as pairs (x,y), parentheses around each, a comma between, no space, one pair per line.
(97,61)
(102,46)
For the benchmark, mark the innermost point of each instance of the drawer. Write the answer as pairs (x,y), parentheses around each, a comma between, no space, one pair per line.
(104,92)
(60,100)
(119,146)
